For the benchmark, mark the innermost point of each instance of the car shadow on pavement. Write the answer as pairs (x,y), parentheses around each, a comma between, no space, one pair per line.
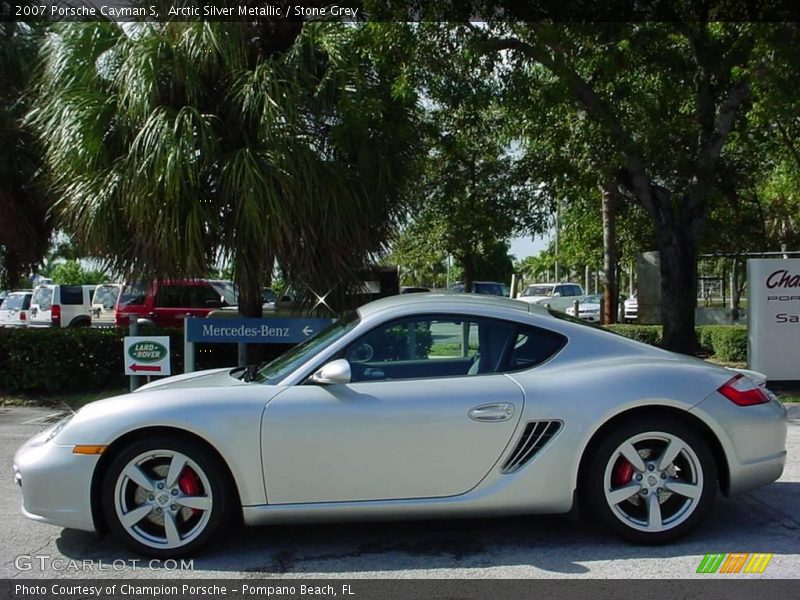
(757,522)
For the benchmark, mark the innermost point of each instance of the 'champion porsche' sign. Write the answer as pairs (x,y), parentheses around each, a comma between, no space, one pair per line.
(773,320)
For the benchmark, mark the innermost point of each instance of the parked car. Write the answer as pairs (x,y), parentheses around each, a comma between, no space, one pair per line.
(588,308)
(104,304)
(168,303)
(491,288)
(54,305)
(631,309)
(15,309)
(414,406)
(538,293)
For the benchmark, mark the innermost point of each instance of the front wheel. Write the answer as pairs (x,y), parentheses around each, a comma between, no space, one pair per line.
(165,497)
(651,481)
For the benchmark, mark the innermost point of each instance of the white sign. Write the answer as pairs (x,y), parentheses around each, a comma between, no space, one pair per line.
(146,355)
(773,318)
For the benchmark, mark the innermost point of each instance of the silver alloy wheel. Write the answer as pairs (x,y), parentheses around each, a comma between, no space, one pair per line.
(653,481)
(163,499)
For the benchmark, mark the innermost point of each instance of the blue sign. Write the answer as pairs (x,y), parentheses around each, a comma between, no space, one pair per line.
(256,331)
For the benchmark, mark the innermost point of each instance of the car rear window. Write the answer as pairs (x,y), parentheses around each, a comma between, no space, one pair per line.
(71,294)
(16,302)
(107,296)
(43,297)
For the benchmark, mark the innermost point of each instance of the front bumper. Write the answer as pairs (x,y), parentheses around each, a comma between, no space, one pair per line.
(753,438)
(56,484)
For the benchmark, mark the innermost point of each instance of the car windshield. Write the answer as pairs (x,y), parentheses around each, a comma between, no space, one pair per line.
(227,292)
(274,371)
(538,290)
(593,299)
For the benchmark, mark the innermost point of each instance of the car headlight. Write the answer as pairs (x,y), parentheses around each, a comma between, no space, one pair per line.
(56,429)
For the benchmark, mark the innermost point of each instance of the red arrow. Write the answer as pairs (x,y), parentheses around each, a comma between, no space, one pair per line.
(155,369)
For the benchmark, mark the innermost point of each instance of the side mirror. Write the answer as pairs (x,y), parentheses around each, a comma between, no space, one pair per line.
(556,294)
(336,371)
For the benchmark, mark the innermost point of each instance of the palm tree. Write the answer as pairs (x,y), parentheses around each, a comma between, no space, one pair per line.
(174,146)
(24,224)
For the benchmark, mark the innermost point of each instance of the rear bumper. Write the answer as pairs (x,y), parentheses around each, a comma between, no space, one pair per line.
(752,437)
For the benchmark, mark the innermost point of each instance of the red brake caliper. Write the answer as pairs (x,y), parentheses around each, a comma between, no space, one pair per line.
(189,483)
(623,473)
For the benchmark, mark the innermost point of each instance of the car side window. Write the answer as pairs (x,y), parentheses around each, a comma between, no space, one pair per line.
(170,296)
(71,294)
(430,346)
(532,346)
(203,296)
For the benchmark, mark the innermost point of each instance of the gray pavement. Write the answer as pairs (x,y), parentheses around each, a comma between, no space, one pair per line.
(767,520)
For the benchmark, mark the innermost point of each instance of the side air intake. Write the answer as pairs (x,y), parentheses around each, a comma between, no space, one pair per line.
(533,439)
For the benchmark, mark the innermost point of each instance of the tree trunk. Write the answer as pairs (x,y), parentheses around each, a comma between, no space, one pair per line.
(12,271)
(678,248)
(250,306)
(468,264)
(610,295)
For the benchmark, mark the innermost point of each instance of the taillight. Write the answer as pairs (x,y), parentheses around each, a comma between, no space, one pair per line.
(740,390)
(23,316)
(55,314)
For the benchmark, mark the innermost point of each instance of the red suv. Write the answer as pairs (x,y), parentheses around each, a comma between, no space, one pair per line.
(167,303)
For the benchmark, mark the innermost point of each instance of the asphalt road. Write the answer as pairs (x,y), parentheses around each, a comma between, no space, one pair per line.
(767,520)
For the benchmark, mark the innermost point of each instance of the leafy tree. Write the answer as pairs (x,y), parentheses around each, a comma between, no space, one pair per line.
(474,192)
(175,144)
(72,273)
(661,100)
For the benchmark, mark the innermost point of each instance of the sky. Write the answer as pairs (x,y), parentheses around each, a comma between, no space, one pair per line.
(522,247)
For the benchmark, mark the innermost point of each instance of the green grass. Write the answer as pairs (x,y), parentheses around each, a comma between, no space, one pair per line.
(789,396)
(73,401)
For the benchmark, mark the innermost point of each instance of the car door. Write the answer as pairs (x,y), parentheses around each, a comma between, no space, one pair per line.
(426,414)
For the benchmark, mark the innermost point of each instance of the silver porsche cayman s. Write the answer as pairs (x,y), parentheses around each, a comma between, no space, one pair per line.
(415,406)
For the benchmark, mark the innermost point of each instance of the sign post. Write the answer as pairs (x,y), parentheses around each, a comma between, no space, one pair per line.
(773,318)
(146,355)
(247,331)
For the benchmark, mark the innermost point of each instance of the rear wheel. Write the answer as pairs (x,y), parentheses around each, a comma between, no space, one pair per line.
(651,481)
(165,497)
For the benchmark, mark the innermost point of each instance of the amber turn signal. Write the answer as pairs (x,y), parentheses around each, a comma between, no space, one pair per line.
(89,449)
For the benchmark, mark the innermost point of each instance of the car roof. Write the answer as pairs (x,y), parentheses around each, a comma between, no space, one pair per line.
(437,300)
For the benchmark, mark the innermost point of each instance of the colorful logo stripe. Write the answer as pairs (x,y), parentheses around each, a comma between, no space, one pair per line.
(734,562)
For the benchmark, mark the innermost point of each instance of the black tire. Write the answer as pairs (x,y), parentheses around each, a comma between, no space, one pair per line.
(203,469)
(605,480)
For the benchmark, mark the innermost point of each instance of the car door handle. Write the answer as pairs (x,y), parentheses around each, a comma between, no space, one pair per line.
(501,411)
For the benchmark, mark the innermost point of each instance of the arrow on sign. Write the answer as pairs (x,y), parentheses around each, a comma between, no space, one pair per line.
(307,330)
(152,369)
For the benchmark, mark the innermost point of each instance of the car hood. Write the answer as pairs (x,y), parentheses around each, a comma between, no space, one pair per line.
(199,379)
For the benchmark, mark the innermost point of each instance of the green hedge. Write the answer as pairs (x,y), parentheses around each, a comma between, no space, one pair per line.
(649,334)
(36,361)
(727,343)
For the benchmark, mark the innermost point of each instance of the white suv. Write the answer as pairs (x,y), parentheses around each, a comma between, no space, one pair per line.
(15,309)
(61,306)
(538,292)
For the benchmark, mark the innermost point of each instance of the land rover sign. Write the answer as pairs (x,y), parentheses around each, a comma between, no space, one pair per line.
(773,306)
(147,355)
